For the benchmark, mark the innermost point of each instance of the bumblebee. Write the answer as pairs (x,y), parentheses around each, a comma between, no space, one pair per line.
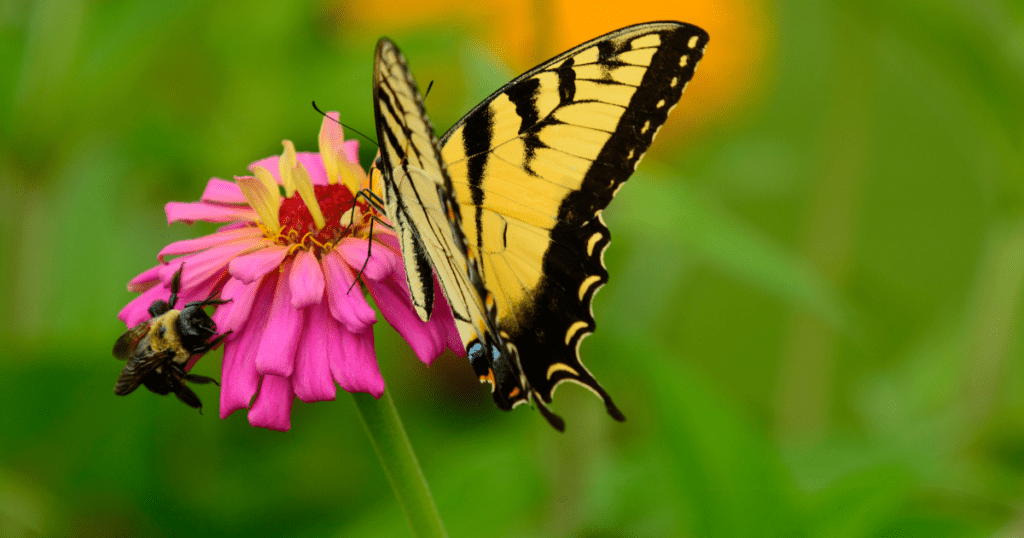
(159,349)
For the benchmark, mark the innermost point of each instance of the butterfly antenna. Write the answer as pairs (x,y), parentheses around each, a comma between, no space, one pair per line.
(324,114)
(426,93)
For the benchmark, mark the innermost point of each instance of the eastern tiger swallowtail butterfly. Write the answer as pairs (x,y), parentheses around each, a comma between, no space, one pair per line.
(506,208)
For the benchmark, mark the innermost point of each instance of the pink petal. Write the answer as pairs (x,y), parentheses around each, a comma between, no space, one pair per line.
(273,406)
(224,192)
(198,291)
(233,315)
(353,362)
(352,151)
(146,279)
(390,240)
(442,320)
(312,379)
(189,246)
(236,393)
(392,298)
(251,267)
(306,281)
(192,211)
(234,226)
(276,355)
(137,311)
(314,164)
(347,304)
(382,261)
(239,379)
(201,266)
(312,161)
(271,164)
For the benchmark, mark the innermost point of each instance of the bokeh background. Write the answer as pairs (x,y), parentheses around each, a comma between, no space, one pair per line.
(812,324)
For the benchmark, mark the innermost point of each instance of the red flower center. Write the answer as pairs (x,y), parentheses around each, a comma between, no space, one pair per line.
(298,226)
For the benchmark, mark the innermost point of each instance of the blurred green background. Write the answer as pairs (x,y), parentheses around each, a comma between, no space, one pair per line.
(812,322)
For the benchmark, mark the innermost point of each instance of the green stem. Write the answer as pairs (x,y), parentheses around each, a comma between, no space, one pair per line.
(403,471)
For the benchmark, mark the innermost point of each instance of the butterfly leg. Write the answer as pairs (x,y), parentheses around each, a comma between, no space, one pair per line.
(371,198)
(369,251)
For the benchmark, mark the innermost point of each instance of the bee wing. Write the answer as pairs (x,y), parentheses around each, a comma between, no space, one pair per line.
(138,367)
(125,345)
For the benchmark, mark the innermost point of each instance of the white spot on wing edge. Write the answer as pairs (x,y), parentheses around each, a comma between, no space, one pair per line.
(692,43)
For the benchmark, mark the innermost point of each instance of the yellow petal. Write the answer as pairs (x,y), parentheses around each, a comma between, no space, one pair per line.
(268,181)
(375,182)
(285,167)
(304,186)
(331,137)
(350,172)
(262,200)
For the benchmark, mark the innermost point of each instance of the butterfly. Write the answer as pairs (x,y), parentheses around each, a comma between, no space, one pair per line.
(505,209)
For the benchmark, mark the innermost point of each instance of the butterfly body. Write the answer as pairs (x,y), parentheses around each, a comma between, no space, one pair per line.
(506,208)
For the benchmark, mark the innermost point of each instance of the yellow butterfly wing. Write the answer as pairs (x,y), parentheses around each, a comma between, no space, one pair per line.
(530,170)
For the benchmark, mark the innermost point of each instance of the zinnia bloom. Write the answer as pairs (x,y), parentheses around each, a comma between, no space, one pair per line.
(288,263)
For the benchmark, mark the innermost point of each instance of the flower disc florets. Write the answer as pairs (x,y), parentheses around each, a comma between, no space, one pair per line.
(343,217)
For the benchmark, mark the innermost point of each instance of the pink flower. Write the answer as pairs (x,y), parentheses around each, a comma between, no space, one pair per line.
(288,262)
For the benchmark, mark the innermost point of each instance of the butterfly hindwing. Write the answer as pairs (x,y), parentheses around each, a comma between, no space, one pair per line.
(529,171)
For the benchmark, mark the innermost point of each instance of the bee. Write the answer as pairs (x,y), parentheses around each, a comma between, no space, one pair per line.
(159,349)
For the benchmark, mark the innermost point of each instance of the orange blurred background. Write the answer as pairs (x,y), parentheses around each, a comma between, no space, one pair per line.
(732,74)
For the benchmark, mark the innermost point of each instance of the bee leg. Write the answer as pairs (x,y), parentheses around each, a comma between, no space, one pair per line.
(211,345)
(213,299)
(188,397)
(176,285)
(200,379)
